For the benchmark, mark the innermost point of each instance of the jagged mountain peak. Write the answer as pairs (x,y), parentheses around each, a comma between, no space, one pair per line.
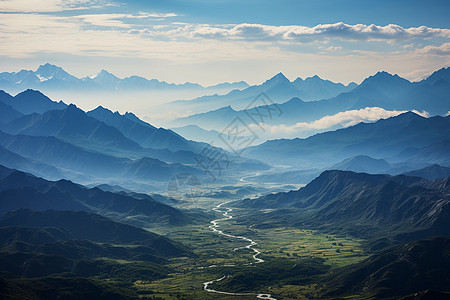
(31,92)
(385,79)
(49,71)
(48,67)
(298,80)
(277,79)
(227,108)
(439,75)
(104,73)
(101,111)
(315,77)
(73,107)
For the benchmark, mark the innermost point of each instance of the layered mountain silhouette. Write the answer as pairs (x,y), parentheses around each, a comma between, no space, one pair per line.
(74,126)
(51,77)
(143,133)
(317,88)
(102,146)
(431,173)
(278,89)
(383,90)
(53,230)
(397,207)
(386,138)
(21,190)
(30,101)
(7,112)
(54,153)
(363,164)
(16,161)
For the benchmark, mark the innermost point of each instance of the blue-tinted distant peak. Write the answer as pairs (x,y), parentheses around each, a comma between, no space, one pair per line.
(72,107)
(404,118)
(298,80)
(48,69)
(104,73)
(314,78)
(227,108)
(384,77)
(130,115)
(279,78)
(29,92)
(101,109)
(441,74)
(383,74)
(48,66)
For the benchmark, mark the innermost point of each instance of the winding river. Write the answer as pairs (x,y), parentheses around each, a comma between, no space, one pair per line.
(214,227)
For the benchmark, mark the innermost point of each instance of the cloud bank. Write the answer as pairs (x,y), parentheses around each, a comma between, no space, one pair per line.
(338,30)
(339,120)
(26,6)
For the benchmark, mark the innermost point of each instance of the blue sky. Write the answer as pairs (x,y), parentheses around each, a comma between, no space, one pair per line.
(212,41)
(309,13)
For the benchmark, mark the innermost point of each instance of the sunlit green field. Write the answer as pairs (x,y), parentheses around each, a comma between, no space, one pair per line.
(216,258)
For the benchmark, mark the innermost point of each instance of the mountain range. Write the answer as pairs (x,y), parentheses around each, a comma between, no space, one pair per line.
(22,190)
(431,172)
(143,133)
(382,90)
(50,77)
(383,186)
(391,208)
(277,89)
(27,102)
(405,137)
(100,146)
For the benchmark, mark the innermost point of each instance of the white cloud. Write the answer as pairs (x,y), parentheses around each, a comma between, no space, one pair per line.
(339,30)
(339,120)
(120,20)
(334,48)
(443,49)
(26,6)
(108,20)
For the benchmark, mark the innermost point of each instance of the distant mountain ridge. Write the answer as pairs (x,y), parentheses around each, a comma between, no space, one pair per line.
(21,190)
(52,77)
(143,133)
(398,207)
(278,89)
(31,101)
(431,173)
(363,163)
(382,90)
(100,126)
(101,145)
(385,138)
